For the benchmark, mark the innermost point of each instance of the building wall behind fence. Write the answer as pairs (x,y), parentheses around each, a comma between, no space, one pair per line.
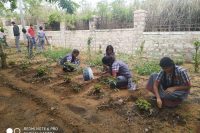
(156,45)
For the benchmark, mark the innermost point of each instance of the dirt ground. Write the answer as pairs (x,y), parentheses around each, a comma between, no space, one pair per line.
(29,102)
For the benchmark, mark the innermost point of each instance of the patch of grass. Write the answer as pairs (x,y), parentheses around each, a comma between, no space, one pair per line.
(56,54)
(67,79)
(96,60)
(143,104)
(147,68)
(124,57)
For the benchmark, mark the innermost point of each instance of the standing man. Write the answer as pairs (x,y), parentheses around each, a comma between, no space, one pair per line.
(31,32)
(17,36)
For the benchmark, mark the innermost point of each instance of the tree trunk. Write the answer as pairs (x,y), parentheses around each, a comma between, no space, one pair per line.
(2,56)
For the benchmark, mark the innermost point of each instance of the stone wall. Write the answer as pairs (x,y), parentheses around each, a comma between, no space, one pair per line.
(156,44)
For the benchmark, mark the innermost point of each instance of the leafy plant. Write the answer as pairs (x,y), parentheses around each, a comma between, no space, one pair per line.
(41,71)
(96,61)
(143,104)
(97,88)
(24,65)
(196,57)
(67,79)
(147,68)
(76,87)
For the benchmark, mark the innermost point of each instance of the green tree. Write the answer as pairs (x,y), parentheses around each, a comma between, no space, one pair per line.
(68,5)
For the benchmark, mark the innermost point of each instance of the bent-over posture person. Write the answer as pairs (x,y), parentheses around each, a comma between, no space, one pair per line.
(171,85)
(120,71)
(70,61)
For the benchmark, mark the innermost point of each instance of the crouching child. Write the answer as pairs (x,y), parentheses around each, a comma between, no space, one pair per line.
(70,62)
(121,72)
(171,85)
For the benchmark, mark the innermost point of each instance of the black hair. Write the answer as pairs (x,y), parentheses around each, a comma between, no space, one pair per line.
(13,22)
(75,51)
(41,28)
(24,30)
(31,24)
(108,60)
(109,47)
(166,62)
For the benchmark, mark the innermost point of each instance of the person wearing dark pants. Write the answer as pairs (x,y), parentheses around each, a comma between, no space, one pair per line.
(17,36)
(29,43)
(121,72)
(171,85)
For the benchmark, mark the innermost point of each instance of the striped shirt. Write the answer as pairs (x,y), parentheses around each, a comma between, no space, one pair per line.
(121,69)
(181,77)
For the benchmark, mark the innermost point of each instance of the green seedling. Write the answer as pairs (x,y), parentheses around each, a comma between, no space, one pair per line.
(97,89)
(67,79)
(24,65)
(76,88)
(143,105)
(11,63)
(41,71)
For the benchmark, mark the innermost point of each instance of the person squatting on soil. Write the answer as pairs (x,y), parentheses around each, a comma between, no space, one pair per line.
(31,32)
(41,37)
(17,36)
(120,71)
(70,62)
(29,43)
(171,85)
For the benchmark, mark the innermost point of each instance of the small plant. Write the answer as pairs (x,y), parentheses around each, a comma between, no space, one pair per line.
(41,71)
(147,68)
(67,79)
(76,88)
(24,65)
(196,57)
(111,81)
(96,61)
(97,89)
(143,104)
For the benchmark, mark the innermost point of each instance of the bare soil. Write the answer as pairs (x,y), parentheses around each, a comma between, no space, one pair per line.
(27,100)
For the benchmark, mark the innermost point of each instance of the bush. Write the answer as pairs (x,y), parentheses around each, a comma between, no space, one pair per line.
(143,104)
(147,68)
(41,71)
(56,54)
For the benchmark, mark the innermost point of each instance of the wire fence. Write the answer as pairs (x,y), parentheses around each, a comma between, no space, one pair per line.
(157,23)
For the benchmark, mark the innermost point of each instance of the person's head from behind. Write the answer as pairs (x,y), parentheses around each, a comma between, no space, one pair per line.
(24,30)
(13,23)
(41,28)
(109,50)
(75,53)
(108,60)
(31,25)
(167,64)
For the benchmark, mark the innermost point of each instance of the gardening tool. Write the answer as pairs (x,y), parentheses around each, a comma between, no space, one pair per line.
(88,74)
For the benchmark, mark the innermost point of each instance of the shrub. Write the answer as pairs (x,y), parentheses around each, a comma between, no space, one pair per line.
(147,68)
(196,57)
(41,71)
(24,65)
(143,104)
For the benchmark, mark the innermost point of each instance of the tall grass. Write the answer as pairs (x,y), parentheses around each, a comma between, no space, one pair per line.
(56,54)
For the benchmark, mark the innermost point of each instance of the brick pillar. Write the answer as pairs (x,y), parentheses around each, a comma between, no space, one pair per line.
(139,26)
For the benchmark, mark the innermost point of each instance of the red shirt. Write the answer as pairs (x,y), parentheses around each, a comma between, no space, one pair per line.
(31,32)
